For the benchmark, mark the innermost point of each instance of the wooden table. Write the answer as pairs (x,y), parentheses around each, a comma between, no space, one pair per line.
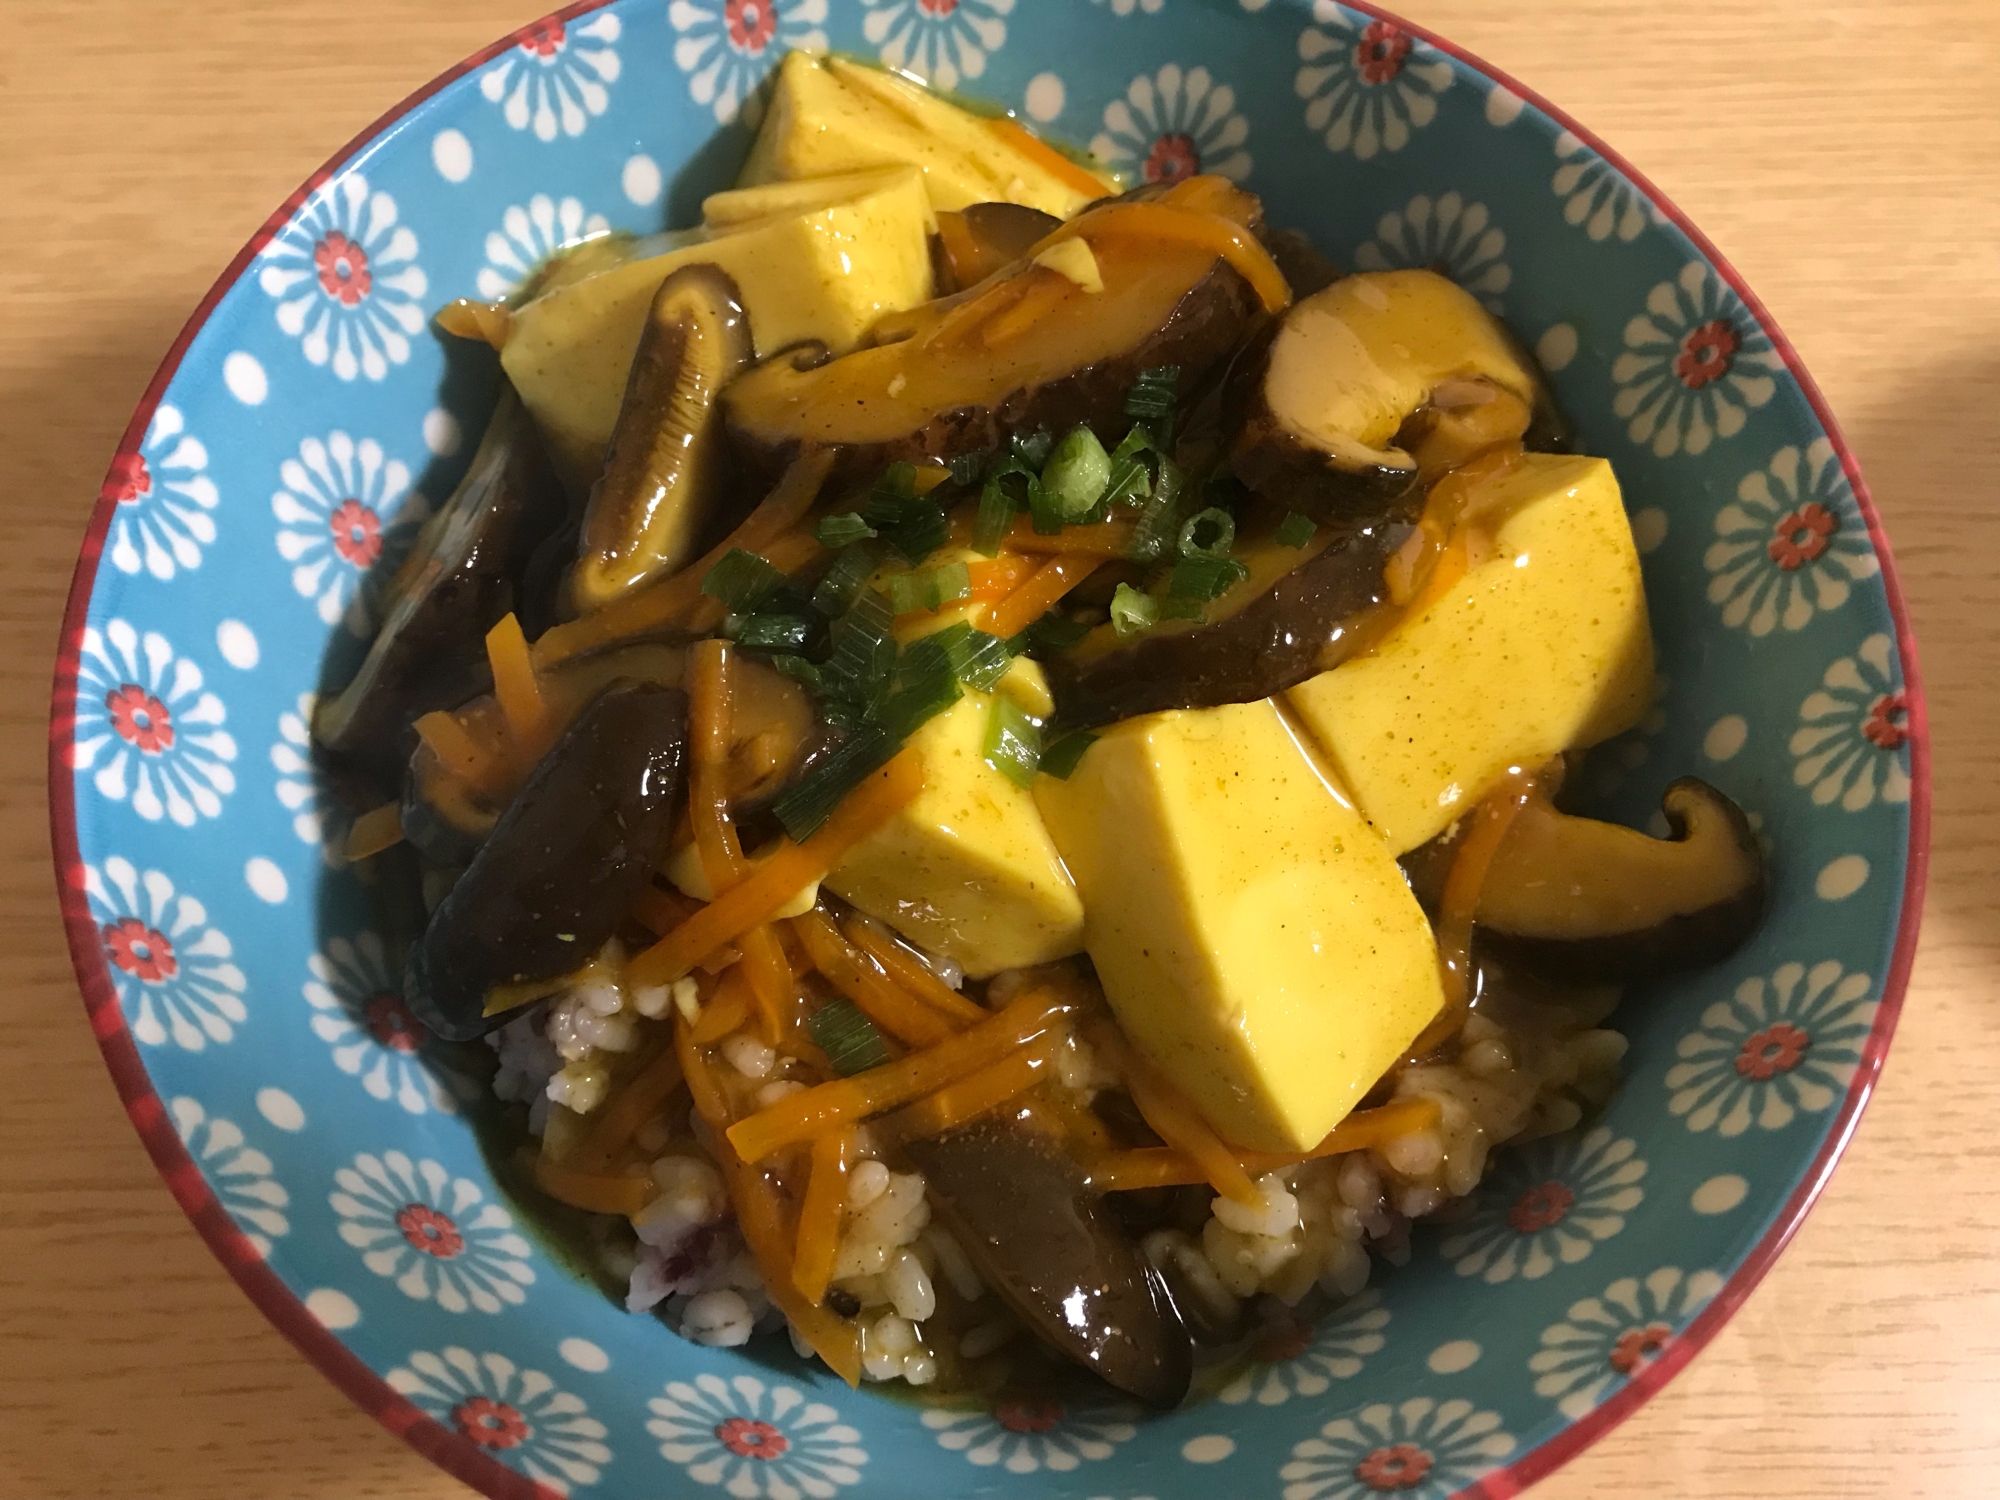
(1845,155)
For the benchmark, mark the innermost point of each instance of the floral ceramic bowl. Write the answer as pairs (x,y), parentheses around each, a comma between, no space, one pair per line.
(306,421)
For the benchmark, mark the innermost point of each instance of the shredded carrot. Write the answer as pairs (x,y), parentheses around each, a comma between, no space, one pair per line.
(1069,173)
(721,959)
(976,1093)
(1460,901)
(989,582)
(724,1011)
(781,876)
(804,1116)
(637,1100)
(1163,1166)
(913,974)
(1174,223)
(962,256)
(375,830)
(1176,1121)
(529,724)
(761,1217)
(666,601)
(819,1215)
(594,1192)
(1038,595)
(865,982)
(462,755)
(1106,539)
(769,974)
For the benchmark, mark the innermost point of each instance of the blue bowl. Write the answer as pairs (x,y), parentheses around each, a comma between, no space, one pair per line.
(307,418)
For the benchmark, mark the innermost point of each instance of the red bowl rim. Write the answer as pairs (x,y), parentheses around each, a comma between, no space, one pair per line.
(461,1457)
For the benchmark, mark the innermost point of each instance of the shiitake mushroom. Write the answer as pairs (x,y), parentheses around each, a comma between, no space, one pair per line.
(562,864)
(975,241)
(1018,1205)
(462,577)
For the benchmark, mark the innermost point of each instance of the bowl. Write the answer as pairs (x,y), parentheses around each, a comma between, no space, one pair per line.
(307,419)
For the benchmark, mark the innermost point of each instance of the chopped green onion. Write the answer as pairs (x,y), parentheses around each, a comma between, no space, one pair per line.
(1208,533)
(772,632)
(811,802)
(1061,754)
(1077,472)
(921,531)
(967,467)
(1045,510)
(1013,741)
(928,588)
(1152,394)
(841,584)
(1204,576)
(798,668)
(843,529)
(1154,534)
(1132,611)
(1031,449)
(981,660)
(1053,632)
(1174,608)
(1130,480)
(1296,530)
(909,708)
(741,580)
(994,516)
(864,652)
(847,1037)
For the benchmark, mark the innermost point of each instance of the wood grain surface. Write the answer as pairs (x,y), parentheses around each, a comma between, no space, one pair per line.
(1846,157)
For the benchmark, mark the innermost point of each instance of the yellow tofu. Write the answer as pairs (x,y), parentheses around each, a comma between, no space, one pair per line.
(1255,937)
(821,261)
(833,115)
(1542,647)
(966,870)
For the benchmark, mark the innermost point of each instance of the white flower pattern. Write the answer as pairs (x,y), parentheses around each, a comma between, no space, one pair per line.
(1605,1340)
(319,817)
(1778,1048)
(1548,1204)
(1335,1350)
(1852,742)
(344,274)
(165,500)
(756,1441)
(239,1174)
(943,42)
(1421,1448)
(175,975)
(1596,195)
(358,1011)
(1695,364)
(1448,235)
(728,47)
(346,515)
(1025,1432)
(528,236)
(1127,7)
(1791,544)
(558,77)
(431,1233)
(1367,82)
(147,728)
(1171,125)
(521,1417)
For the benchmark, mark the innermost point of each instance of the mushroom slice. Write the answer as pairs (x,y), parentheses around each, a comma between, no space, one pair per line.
(975,241)
(561,867)
(1299,613)
(1055,1251)
(1321,411)
(461,578)
(1588,902)
(667,463)
(1027,348)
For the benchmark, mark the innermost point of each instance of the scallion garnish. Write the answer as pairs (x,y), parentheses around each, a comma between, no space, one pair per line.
(1053,632)
(774,632)
(1296,530)
(1158,526)
(798,668)
(742,581)
(1061,754)
(1207,533)
(1031,449)
(843,529)
(1077,473)
(1152,394)
(1132,611)
(927,589)
(811,802)
(994,516)
(921,531)
(847,1037)
(966,468)
(841,584)
(1013,741)
(1204,576)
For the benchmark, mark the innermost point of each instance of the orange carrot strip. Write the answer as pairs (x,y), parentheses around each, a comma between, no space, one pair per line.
(913,974)
(1105,539)
(764,1222)
(783,875)
(1069,173)
(961,252)
(519,695)
(638,1099)
(375,830)
(1038,595)
(804,1116)
(1156,222)
(1176,1121)
(726,1010)
(976,1093)
(664,602)
(594,1192)
(989,583)
(1460,901)
(1163,1166)
(452,743)
(772,982)
(819,1216)
(867,984)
